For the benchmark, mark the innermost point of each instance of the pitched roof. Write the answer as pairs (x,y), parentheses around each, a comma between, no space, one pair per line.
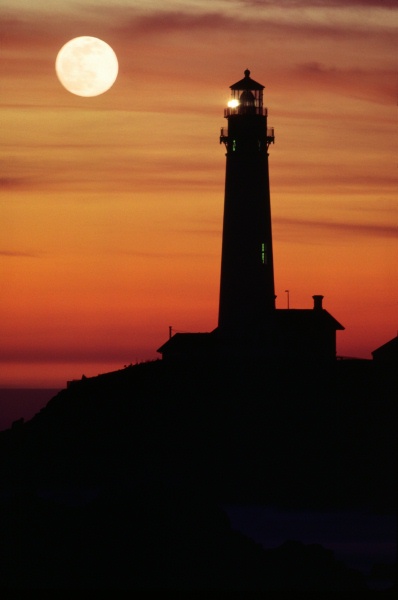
(186,341)
(388,351)
(247,83)
(306,317)
(283,319)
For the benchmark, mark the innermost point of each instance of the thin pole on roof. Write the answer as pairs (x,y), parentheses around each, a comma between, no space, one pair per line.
(288,298)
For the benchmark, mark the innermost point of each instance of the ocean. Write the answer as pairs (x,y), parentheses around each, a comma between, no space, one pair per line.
(359,538)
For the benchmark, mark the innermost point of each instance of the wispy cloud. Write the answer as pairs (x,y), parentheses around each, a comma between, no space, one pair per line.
(302,4)
(9,183)
(341,78)
(277,22)
(170,17)
(16,254)
(335,228)
(69,353)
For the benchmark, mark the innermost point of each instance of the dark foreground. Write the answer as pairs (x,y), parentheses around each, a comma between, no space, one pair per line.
(118,482)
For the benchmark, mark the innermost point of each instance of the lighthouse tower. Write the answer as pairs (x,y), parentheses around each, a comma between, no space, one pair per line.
(247,294)
(250,327)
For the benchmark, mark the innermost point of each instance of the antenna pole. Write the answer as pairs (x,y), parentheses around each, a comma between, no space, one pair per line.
(288,298)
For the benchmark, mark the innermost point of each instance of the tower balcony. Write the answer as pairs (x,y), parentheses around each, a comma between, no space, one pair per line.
(224,135)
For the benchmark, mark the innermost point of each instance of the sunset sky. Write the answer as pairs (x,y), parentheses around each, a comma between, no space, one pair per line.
(111,206)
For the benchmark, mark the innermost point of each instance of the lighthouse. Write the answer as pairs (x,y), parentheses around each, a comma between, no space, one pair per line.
(247,292)
(250,327)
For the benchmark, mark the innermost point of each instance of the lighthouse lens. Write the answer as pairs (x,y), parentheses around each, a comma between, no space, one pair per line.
(233,103)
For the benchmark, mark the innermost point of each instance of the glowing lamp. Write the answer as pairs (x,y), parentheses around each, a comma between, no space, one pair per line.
(233,103)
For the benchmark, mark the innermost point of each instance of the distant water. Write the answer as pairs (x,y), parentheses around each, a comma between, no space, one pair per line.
(22,403)
(359,539)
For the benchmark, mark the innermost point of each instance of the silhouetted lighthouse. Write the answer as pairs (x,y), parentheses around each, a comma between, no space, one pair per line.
(250,327)
(247,294)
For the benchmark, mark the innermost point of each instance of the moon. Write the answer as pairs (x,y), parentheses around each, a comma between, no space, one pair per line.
(86,66)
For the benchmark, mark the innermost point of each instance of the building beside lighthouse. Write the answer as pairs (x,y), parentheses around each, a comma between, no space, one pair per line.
(249,324)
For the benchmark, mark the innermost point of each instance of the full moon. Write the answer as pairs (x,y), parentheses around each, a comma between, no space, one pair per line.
(86,66)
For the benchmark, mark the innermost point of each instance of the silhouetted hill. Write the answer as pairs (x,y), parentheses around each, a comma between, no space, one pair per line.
(154,449)
(284,435)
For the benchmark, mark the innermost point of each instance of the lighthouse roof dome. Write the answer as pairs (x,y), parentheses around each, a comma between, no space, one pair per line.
(247,83)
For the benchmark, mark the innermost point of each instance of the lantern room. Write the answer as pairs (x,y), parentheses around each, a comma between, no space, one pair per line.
(246,97)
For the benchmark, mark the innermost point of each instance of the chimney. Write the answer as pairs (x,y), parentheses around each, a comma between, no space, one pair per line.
(317,302)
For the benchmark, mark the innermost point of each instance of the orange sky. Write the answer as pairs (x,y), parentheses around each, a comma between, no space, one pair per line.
(111,206)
